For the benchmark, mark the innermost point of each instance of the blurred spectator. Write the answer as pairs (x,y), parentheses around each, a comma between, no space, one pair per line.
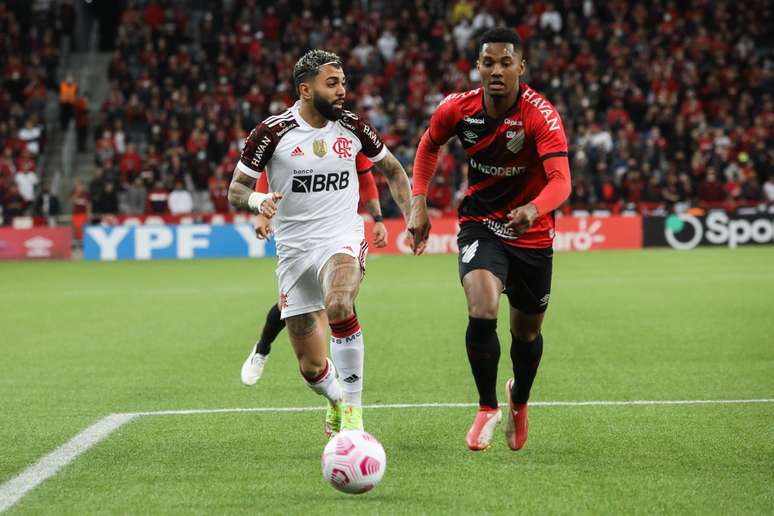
(26,181)
(180,200)
(156,201)
(81,108)
(135,196)
(14,205)
(47,203)
(32,134)
(768,189)
(81,207)
(68,90)
(711,190)
(130,165)
(97,188)
(108,200)
(440,195)
(218,188)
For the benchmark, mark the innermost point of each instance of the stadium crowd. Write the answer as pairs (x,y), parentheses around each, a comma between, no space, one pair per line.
(30,35)
(663,102)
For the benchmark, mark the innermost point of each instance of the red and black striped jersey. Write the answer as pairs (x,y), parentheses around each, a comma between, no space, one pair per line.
(505,157)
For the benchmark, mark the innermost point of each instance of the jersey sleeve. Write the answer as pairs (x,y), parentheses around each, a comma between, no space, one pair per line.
(548,131)
(372,145)
(367,186)
(262,186)
(257,151)
(362,164)
(443,122)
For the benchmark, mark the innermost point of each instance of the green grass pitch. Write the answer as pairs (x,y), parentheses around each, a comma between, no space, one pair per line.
(82,340)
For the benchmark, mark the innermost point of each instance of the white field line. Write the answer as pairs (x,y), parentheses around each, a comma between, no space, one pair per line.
(452,405)
(14,490)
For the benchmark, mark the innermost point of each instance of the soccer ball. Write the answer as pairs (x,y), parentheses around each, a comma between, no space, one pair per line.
(353,461)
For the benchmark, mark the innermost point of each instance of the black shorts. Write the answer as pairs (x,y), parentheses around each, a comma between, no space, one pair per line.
(525,272)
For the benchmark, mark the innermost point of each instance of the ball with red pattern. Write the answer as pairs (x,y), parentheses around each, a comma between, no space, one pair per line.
(353,461)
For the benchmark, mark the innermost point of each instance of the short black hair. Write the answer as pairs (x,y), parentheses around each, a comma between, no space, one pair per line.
(310,63)
(500,35)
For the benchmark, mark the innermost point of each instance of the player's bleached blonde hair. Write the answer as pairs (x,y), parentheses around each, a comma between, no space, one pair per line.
(310,63)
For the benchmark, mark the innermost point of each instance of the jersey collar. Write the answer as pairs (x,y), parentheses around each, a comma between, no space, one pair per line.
(510,111)
(295,109)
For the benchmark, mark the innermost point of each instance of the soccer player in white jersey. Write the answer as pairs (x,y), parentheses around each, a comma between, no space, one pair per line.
(309,152)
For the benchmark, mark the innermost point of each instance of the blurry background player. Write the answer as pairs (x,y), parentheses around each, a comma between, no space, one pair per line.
(518,174)
(252,369)
(309,152)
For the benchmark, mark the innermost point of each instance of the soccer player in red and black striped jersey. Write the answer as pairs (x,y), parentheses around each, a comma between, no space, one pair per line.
(518,174)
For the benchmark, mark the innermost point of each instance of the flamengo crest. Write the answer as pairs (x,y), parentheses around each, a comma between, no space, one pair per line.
(343,147)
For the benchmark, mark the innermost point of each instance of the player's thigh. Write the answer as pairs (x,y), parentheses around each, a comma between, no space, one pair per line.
(482,293)
(483,268)
(528,288)
(341,275)
(300,292)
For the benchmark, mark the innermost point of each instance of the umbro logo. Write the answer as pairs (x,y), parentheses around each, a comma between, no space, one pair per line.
(469,251)
(351,378)
(296,152)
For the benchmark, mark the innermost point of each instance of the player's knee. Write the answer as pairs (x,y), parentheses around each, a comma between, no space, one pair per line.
(311,367)
(525,334)
(482,309)
(338,306)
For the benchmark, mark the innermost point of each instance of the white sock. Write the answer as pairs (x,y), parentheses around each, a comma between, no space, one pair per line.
(348,354)
(327,385)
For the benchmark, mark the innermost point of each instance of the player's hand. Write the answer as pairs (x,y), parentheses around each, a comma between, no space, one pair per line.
(262,228)
(419,224)
(521,219)
(380,234)
(269,206)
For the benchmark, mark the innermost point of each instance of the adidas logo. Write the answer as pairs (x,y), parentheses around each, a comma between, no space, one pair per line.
(296,152)
(351,378)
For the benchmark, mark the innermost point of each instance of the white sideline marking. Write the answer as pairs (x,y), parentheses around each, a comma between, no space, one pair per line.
(451,405)
(15,489)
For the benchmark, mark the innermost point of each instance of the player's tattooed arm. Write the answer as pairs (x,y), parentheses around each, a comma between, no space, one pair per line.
(240,189)
(398,181)
(242,196)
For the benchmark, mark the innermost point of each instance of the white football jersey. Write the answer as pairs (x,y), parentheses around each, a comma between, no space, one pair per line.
(315,171)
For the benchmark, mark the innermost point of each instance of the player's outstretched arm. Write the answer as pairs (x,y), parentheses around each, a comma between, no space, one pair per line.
(398,181)
(242,196)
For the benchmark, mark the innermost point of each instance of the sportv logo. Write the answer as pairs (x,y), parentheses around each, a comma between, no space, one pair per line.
(717,229)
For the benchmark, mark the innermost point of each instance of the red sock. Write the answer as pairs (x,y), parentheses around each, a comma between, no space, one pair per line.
(345,327)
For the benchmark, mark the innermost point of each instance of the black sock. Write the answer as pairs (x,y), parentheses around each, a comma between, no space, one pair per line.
(526,360)
(270,331)
(483,354)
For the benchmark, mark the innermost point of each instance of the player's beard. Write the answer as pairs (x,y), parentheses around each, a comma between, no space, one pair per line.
(326,108)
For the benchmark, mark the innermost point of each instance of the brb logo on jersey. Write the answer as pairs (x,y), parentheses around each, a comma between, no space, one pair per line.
(331,181)
(343,147)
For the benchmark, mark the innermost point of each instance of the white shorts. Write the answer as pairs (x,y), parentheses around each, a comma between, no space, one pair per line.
(299,276)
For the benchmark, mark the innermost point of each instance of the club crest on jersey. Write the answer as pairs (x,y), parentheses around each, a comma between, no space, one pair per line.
(343,147)
(516,141)
(319,148)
